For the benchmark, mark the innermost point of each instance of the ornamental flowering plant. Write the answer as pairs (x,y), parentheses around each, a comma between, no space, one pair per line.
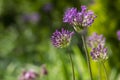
(98,49)
(61,38)
(79,19)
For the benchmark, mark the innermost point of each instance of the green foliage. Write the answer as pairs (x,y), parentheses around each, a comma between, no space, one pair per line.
(26,45)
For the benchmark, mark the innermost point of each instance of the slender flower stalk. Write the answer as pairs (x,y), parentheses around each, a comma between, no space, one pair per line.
(72,66)
(106,74)
(99,70)
(87,56)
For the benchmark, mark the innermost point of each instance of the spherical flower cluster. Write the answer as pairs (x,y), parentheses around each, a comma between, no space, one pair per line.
(99,53)
(83,18)
(97,44)
(28,75)
(61,38)
(118,34)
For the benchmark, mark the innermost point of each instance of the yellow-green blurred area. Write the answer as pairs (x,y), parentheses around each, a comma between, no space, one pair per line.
(26,27)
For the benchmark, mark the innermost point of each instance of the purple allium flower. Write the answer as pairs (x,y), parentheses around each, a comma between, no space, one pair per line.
(118,34)
(97,44)
(95,40)
(61,38)
(28,75)
(81,19)
(70,15)
(99,53)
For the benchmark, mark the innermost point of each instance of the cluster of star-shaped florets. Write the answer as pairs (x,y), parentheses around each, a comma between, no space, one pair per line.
(83,18)
(97,44)
(61,38)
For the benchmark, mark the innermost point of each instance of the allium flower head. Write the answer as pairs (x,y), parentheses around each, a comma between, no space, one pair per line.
(97,44)
(99,53)
(95,40)
(79,19)
(61,38)
(118,34)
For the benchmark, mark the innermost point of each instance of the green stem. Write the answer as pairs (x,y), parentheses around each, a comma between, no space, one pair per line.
(87,56)
(72,66)
(99,68)
(105,70)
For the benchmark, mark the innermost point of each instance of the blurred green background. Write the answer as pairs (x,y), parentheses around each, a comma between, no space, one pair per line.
(27,25)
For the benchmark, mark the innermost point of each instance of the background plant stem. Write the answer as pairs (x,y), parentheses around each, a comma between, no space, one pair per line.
(72,66)
(99,69)
(105,70)
(87,56)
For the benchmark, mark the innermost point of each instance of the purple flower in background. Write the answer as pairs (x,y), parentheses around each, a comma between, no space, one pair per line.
(28,75)
(79,19)
(34,17)
(118,34)
(99,53)
(97,44)
(48,7)
(31,17)
(44,70)
(61,38)
(70,15)
(95,40)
